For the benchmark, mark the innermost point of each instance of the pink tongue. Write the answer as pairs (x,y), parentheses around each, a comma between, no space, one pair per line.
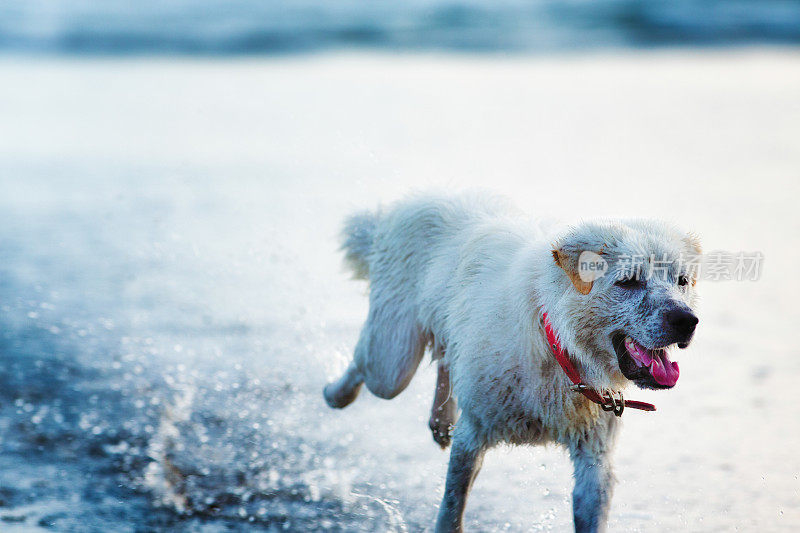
(639,352)
(664,371)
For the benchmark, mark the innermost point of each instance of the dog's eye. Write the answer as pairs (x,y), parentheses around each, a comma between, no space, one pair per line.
(683,280)
(629,283)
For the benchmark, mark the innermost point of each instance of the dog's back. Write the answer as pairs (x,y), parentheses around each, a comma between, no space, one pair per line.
(397,243)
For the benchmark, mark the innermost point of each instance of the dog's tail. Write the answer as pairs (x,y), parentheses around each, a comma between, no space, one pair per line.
(357,237)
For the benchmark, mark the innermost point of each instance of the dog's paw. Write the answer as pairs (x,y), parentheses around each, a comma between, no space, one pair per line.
(338,398)
(441,430)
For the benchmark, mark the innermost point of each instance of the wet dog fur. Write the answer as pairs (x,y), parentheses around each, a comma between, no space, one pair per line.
(468,277)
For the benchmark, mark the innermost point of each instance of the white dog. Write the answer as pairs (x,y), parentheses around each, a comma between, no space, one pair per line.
(516,317)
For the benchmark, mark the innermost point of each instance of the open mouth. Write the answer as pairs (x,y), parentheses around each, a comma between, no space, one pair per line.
(648,368)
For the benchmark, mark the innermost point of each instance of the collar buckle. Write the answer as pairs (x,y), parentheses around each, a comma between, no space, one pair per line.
(612,403)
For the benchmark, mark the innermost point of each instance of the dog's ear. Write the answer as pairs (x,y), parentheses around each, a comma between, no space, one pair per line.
(692,242)
(568,260)
(584,246)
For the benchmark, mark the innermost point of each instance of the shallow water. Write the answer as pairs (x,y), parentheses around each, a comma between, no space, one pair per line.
(172,301)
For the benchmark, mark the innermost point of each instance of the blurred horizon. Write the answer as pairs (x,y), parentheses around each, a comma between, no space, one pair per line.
(245,27)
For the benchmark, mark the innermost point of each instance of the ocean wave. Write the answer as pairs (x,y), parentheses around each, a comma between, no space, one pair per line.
(218,27)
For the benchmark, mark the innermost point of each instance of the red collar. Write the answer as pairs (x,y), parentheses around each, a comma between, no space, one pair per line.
(607,400)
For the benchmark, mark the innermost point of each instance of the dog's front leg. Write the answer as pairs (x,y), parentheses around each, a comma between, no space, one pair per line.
(466,457)
(594,484)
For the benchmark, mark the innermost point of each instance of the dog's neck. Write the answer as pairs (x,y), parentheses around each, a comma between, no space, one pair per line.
(608,399)
(555,295)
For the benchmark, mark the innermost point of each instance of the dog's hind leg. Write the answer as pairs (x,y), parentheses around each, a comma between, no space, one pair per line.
(343,391)
(466,458)
(444,409)
(386,357)
(389,350)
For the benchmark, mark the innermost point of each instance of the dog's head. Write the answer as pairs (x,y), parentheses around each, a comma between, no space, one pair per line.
(631,298)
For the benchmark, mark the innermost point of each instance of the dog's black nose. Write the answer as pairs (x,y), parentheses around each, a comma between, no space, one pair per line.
(682,322)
